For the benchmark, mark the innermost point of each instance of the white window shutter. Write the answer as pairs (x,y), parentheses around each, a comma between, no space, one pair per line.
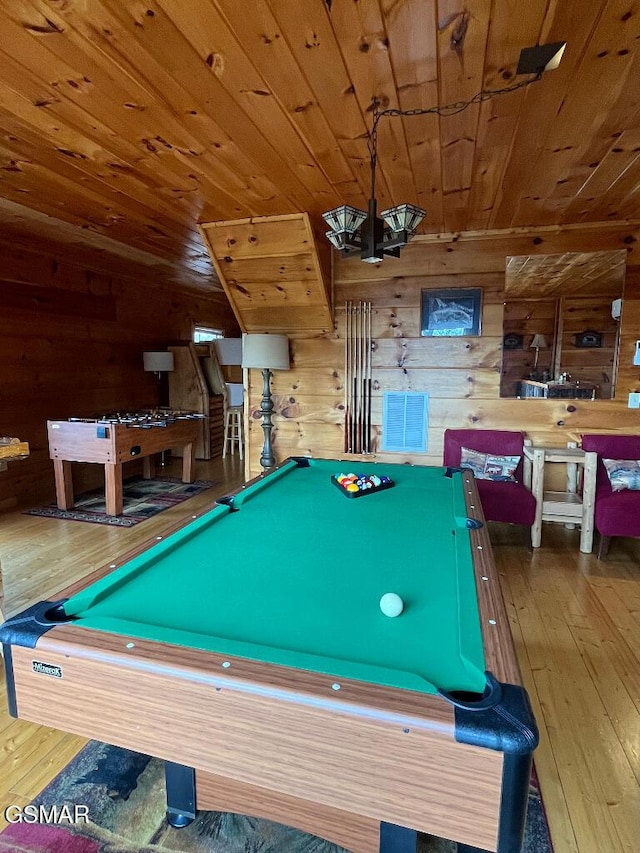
(404,422)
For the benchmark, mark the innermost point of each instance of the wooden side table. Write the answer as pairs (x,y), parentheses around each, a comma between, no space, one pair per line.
(12,449)
(566,507)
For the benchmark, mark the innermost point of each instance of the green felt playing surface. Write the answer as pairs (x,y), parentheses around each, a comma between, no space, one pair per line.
(295,576)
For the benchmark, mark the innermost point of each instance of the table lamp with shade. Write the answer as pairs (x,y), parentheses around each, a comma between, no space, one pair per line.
(229,351)
(266,353)
(539,342)
(158,362)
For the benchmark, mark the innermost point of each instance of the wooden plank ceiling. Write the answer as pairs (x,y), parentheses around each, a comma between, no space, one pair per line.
(135,121)
(568,274)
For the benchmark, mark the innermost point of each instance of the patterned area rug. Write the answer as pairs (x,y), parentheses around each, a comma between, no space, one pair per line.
(125,799)
(141,499)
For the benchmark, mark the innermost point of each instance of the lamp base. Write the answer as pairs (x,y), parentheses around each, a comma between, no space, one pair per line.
(267,457)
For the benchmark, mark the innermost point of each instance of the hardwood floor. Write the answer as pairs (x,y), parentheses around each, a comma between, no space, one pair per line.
(576,623)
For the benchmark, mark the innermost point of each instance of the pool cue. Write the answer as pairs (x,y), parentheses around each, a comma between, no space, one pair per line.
(352,399)
(363,382)
(363,360)
(363,386)
(351,379)
(370,370)
(369,366)
(347,356)
(354,380)
(359,377)
(347,376)
(352,423)
(351,382)
(367,379)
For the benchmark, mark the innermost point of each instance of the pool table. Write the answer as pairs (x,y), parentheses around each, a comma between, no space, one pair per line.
(247,649)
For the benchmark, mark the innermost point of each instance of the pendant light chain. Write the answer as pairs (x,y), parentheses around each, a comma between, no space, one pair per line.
(447,110)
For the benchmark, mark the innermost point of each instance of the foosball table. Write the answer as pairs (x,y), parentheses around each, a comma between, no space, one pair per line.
(112,440)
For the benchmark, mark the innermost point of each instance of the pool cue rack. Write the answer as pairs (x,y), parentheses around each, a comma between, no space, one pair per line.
(358,343)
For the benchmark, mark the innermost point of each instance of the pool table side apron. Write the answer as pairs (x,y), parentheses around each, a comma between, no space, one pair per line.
(373,752)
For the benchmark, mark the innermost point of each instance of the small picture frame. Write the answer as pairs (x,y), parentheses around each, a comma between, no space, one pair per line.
(513,341)
(588,339)
(451,312)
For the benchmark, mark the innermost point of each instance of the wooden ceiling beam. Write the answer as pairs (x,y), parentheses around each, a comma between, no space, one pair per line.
(235,71)
(499,118)
(462,44)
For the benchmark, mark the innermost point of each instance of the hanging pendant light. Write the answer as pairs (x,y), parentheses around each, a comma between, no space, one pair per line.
(375,236)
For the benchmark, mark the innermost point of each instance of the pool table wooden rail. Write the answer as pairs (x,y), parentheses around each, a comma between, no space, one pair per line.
(499,651)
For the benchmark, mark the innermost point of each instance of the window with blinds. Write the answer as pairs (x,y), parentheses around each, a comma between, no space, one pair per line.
(204,334)
(405,418)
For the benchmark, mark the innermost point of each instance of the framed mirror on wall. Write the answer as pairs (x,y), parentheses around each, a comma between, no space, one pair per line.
(561,325)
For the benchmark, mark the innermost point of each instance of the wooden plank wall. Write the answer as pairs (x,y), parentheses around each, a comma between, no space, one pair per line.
(71,344)
(461,375)
(596,364)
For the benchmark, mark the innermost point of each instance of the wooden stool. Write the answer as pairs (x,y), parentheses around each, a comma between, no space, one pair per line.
(233,430)
(233,418)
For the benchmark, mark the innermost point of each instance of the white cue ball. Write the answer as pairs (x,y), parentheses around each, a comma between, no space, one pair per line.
(391,604)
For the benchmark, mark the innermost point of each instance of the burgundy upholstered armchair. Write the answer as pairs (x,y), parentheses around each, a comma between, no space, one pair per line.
(506,501)
(616,513)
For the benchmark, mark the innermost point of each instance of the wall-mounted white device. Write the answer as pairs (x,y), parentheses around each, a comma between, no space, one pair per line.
(616,309)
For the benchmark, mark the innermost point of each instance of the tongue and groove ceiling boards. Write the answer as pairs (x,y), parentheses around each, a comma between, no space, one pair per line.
(571,273)
(132,122)
(271,270)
